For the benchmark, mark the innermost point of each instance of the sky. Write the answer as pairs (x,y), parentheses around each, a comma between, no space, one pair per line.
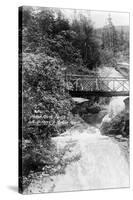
(118,18)
(99,18)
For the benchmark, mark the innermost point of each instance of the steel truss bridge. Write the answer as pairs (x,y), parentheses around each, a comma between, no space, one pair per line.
(85,86)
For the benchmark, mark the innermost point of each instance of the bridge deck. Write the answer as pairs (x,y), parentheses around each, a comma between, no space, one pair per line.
(86,94)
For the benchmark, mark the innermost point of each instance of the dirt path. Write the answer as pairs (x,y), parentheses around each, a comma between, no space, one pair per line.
(101,164)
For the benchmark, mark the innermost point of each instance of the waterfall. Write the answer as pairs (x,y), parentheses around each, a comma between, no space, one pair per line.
(116,104)
(115,107)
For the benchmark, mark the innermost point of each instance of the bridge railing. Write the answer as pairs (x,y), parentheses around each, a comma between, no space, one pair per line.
(93,83)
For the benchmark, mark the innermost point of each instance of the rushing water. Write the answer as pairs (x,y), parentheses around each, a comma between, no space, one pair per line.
(101,163)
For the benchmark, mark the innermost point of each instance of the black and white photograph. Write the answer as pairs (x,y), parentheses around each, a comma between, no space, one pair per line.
(73,99)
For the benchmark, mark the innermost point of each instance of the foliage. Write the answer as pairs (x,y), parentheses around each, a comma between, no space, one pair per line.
(45,103)
(115,40)
(107,58)
(85,40)
(45,159)
(44,97)
(48,31)
(50,42)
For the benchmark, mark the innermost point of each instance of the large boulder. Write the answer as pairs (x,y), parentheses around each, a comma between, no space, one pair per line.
(119,125)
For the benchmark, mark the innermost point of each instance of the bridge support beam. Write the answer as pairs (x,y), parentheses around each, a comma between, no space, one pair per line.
(87,94)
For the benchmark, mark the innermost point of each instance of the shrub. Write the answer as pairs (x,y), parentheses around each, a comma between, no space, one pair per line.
(45,103)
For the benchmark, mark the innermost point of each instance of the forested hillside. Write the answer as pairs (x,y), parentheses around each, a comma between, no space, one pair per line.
(47,31)
(51,46)
(115,38)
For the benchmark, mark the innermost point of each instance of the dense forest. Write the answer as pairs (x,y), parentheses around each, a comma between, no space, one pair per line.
(51,46)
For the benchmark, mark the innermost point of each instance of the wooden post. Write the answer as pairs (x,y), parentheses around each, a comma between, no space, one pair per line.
(123,85)
(113,85)
(76,84)
(97,88)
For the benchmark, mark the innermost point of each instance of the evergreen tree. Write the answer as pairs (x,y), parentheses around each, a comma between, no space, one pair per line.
(110,37)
